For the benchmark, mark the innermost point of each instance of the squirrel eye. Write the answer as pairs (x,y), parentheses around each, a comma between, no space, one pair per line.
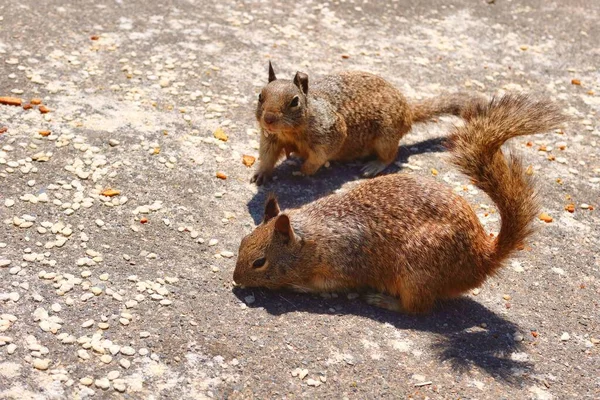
(295,101)
(259,262)
(260,98)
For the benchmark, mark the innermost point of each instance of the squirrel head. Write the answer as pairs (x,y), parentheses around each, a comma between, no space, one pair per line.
(282,103)
(273,255)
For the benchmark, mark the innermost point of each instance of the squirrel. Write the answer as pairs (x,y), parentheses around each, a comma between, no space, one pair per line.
(346,116)
(411,240)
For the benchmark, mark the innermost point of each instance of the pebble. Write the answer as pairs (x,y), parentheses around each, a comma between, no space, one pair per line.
(102,383)
(86,381)
(213,242)
(112,375)
(83,354)
(4,263)
(41,364)
(227,254)
(96,290)
(517,266)
(106,358)
(312,382)
(249,299)
(99,222)
(125,363)
(119,385)
(11,348)
(300,373)
(565,336)
(127,350)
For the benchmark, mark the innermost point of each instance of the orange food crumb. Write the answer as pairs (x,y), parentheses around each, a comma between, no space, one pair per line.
(110,192)
(248,161)
(546,218)
(221,135)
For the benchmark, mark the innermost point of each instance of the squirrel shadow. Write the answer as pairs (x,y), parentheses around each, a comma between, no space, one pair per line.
(461,340)
(295,191)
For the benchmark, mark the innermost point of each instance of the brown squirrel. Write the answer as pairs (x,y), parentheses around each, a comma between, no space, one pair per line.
(412,239)
(342,117)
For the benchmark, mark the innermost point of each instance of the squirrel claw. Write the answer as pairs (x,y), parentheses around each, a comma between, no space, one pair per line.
(373,168)
(259,178)
(383,301)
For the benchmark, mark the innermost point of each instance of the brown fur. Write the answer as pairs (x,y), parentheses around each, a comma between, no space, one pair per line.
(340,117)
(411,239)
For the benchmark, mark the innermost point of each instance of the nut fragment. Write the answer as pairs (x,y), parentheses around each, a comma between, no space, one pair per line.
(27,106)
(221,175)
(45,133)
(221,135)
(10,101)
(36,101)
(248,161)
(44,109)
(94,37)
(570,208)
(576,82)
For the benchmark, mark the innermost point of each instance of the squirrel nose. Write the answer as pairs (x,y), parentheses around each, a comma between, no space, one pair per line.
(270,118)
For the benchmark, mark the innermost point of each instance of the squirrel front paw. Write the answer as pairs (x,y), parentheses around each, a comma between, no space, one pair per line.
(260,178)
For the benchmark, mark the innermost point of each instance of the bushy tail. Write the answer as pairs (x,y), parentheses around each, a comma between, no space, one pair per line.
(475,149)
(459,104)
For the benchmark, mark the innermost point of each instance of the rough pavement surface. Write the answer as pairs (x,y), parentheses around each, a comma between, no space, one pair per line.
(128,293)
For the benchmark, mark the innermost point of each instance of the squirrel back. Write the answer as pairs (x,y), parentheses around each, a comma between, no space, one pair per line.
(411,239)
(346,116)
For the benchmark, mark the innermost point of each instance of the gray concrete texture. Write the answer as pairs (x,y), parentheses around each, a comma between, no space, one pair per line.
(131,296)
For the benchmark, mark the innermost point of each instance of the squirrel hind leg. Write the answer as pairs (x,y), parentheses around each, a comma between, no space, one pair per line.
(386,148)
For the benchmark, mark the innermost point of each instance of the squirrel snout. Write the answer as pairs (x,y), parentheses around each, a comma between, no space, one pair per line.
(270,118)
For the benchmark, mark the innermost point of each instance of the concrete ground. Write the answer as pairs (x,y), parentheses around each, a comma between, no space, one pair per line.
(131,296)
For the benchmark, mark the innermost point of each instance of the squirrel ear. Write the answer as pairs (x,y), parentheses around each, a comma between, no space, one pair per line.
(301,80)
(283,226)
(272,76)
(271,208)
